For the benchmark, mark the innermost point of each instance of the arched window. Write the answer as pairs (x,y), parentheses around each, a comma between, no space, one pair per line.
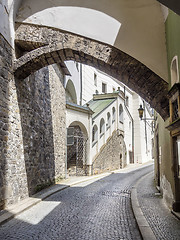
(108,120)
(71,92)
(174,71)
(113,115)
(94,134)
(102,127)
(121,113)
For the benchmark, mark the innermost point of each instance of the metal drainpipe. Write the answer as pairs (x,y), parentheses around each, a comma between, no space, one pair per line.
(81,84)
(132,124)
(145,126)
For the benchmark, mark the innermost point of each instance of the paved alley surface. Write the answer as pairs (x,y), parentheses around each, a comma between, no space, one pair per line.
(164,224)
(92,210)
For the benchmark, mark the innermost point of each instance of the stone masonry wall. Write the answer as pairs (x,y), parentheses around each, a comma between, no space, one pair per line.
(13,180)
(41,101)
(32,129)
(58,110)
(112,155)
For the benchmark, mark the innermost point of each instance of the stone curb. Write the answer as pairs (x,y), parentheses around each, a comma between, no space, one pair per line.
(145,229)
(176,214)
(25,204)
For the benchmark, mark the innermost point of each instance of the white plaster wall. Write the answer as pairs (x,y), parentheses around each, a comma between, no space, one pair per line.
(4,20)
(114,126)
(88,83)
(134,101)
(141,154)
(75,77)
(108,132)
(8,10)
(136,27)
(84,119)
(76,116)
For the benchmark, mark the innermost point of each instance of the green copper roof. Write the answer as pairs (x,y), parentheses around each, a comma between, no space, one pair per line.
(97,106)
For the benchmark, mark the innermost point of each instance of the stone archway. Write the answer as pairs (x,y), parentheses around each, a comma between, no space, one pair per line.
(45,46)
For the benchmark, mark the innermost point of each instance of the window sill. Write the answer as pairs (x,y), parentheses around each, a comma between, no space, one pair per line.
(94,143)
(107,128)
(102,134)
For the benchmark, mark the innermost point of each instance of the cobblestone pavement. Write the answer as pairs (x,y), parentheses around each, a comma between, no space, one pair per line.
(164,224)
(92,210)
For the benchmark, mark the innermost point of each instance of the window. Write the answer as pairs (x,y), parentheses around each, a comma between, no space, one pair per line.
(121,113)
(104,88)
(94,134)
(127,101)
(108,120)
(178,156)
(95,79)
(175,114)
(102,127)
(174,71)
(113,115)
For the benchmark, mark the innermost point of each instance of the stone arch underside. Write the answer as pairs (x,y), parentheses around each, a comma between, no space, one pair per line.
(45,46)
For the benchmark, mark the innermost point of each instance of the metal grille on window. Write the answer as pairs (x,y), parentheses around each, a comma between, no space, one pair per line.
(175,110)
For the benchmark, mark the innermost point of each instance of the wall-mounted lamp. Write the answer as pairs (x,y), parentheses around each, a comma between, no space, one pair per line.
(141,111)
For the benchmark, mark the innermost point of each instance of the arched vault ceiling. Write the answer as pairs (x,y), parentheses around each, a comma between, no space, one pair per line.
(135,27)
(48,45)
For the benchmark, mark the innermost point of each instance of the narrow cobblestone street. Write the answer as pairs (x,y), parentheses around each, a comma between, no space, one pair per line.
(95,209)
(164,224)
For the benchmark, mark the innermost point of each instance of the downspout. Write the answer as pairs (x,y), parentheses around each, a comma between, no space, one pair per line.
(132,124)
(80,84)
(145,126)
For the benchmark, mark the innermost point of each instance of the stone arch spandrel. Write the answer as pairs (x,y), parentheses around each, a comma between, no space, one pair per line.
(55,46)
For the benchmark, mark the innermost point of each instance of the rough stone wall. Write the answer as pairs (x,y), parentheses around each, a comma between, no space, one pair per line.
(42,109)
(112,155)
(13,180)
(58,109)
(32,129)
(54,46)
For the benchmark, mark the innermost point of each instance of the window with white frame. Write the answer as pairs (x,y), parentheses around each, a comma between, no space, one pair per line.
(102,127)
(113,114)
(94,134)
(121,113)
(174,71)
(104,87)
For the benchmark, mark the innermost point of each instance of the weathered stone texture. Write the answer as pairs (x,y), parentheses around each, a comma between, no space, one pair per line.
(32,141)
(112,155)
(41,101)
(48,45)
(13,182)
(58,110)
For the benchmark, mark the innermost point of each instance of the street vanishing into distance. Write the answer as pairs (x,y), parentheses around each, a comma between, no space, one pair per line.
(97,209)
